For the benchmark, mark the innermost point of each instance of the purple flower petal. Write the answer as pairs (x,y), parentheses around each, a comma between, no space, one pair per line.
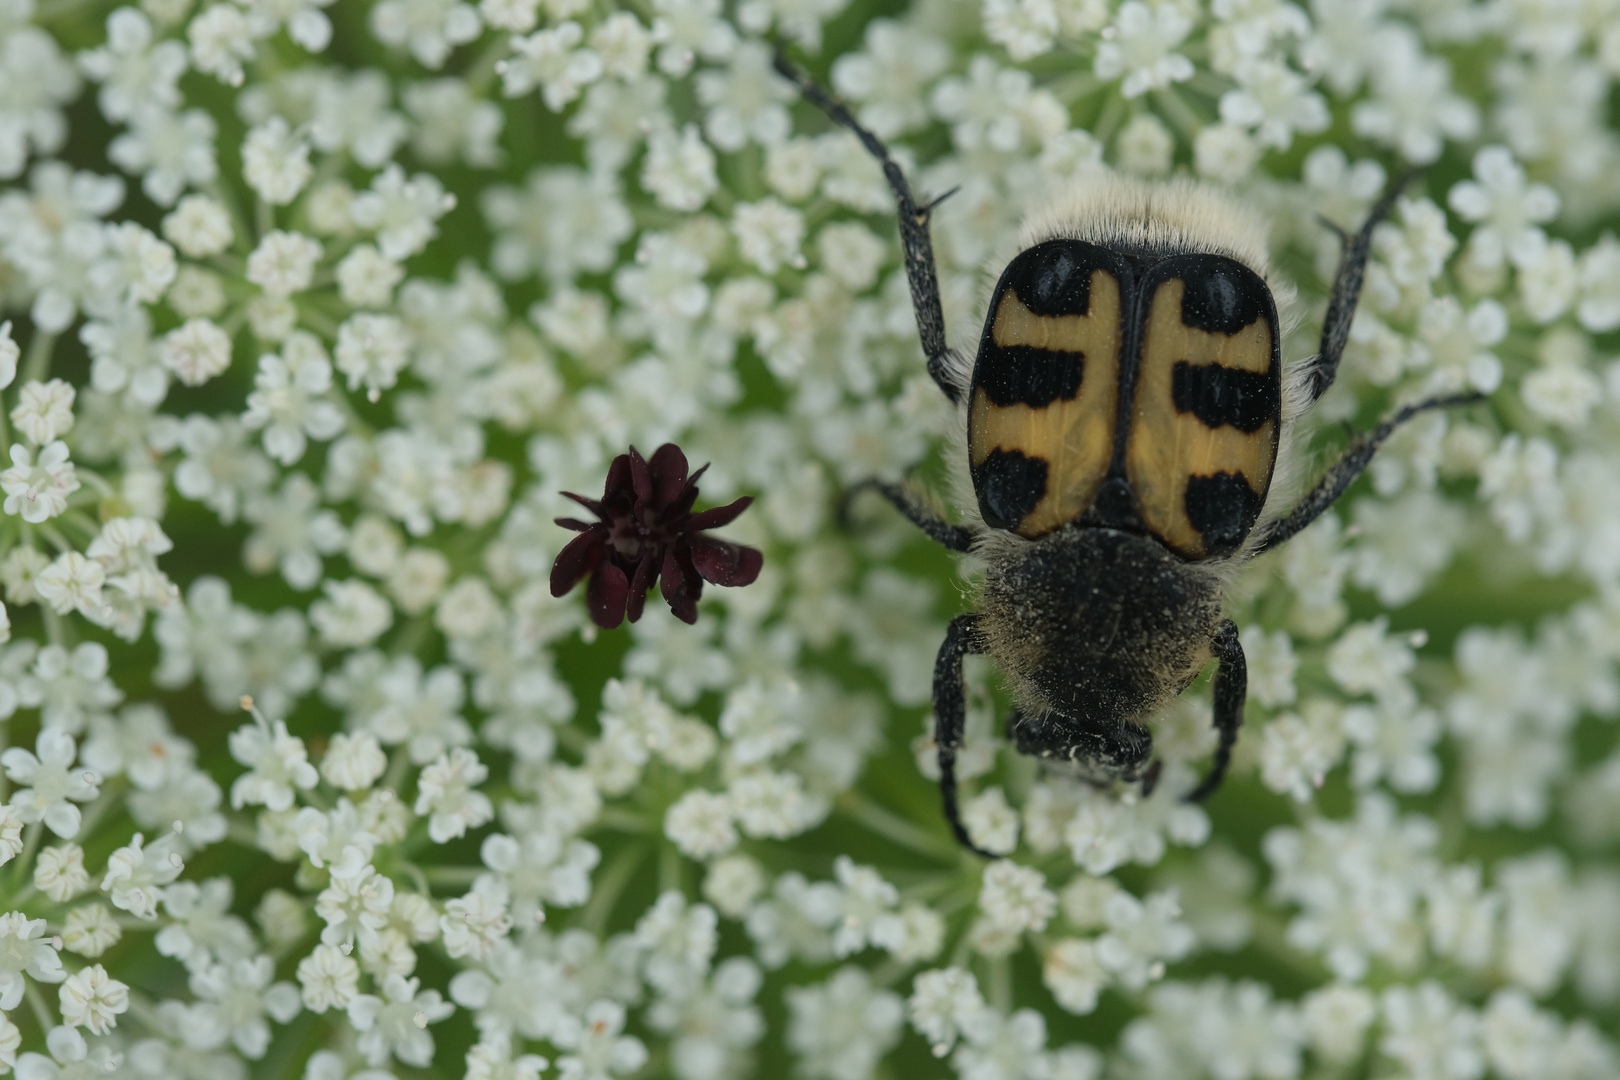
(640,582)
(668,467)
(640,479)
(725,563)
(716,516)
(579,558)
(682,505)
(590,504)
(605,596)
(618,477)
(681,587)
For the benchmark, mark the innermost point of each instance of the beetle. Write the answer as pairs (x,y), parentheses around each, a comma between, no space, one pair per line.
(1124,416)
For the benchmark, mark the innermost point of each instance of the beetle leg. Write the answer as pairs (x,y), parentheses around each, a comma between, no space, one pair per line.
(943,366)
(1341,309)
(1343,472)
(962,638)
(1231,687)
(915,510)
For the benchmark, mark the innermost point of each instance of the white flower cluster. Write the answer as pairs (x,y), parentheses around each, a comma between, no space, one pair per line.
(299,358)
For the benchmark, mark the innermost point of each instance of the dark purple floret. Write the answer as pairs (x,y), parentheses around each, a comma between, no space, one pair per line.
(646,533)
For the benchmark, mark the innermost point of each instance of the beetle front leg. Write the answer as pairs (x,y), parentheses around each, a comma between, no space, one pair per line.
(948,371)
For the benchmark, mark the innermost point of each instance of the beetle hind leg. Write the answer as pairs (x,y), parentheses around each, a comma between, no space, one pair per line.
(962,638)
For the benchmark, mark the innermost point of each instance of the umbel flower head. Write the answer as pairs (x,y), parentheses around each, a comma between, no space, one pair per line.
(648,533)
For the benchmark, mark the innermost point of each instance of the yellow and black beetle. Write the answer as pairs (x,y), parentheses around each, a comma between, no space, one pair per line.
(1124,417)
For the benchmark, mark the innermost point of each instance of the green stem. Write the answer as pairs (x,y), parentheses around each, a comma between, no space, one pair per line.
(42,1008)
(397,767)
(669,868)
(419,879)
(891,826)
(37,360)
(451,875)
(31,836)
(607,887)
(240,832)
(613,817)
(1175,108)
(1000,979)
(58,9)
(55,628)
(481,71)
(112,790)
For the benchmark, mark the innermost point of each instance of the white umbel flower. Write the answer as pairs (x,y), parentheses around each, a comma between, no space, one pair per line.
(700,824)
(1508,211)
(278,760)
(371,352)
(237,995)
(136,874)
(367,278)
(90,930)
(841,1027)
(196,352)
(598,1049)
(430,29)
(72,582)
(1141,48)
(353,762)
(679,169)
(330,979)
(1075,975)
(59,872)
(9,354)
(474,924)
(93,999)
(38,491)
(400,212)
(51,782)
(1015,899)
(199,226)
(25,950)
(943,1002)
(284,262)
(355,906)
(1430,1035)
(990,822)
(351,615)
(44,411)
(447,789)
(395,1025)
(11,827)
(275,161)
(291,401)
(221,41)
(553,60)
